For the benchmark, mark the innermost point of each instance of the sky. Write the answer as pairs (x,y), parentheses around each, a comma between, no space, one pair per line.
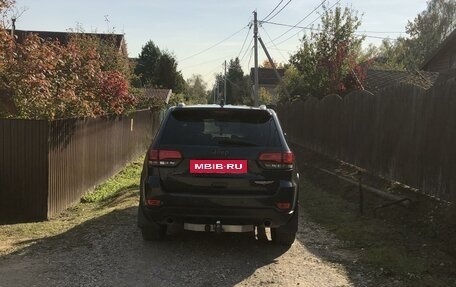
(202,34)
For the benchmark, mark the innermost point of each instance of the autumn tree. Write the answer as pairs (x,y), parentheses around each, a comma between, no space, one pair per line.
(265,97)
(267,64)
(48,80)
(6,7)
(327,61)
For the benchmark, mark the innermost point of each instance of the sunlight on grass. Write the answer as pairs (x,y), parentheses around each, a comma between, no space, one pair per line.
(119,192)
(128,178)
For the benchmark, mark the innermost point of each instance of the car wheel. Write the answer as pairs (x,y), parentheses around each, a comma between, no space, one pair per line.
(285,235)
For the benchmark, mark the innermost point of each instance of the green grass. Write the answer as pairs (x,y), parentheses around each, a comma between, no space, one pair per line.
(382,245)
(119,192)
(127,179)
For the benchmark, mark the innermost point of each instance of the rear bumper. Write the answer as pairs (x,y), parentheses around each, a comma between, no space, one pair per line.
(205,215)
(208,209)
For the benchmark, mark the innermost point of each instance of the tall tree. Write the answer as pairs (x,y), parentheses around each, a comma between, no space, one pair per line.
(425,33)
(148,60)
(237,86)
(429,29)
(166,73)
(327,60)
(156,68)
(196,90)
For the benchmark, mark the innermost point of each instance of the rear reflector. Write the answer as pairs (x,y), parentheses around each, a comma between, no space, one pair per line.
(277,160)
(153,202)
(163,157)
(283,205)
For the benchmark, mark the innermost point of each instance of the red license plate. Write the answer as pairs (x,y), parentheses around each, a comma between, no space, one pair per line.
(218,166)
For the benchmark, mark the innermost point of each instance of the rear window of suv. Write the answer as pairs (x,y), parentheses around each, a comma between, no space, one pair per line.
(221,127)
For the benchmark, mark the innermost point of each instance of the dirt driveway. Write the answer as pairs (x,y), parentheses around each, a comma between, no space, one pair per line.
(109,251)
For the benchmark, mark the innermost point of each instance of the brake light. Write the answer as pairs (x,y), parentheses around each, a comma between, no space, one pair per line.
(277,160)
(163,157)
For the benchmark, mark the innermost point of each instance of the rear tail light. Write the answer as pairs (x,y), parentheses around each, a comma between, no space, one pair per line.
(164,157)
(153,202)
(283,205)
(277,160)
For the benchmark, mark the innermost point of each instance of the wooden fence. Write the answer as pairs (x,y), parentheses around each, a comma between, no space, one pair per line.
(403,133)
(45,166)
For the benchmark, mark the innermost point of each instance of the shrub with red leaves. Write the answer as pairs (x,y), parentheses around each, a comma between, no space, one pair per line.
(114,95)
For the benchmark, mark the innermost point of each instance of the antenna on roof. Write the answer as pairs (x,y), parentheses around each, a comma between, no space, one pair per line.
(13,28)
(107,23)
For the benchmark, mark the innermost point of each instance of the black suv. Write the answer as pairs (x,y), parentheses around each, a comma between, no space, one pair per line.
(219,168)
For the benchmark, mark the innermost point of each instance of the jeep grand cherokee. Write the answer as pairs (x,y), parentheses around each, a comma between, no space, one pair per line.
(219,168)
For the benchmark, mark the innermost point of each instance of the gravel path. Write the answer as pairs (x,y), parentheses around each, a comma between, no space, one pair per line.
(109,251)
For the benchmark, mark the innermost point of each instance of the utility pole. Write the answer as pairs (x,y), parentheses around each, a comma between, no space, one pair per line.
(255,45)
(224,90)
(218,92)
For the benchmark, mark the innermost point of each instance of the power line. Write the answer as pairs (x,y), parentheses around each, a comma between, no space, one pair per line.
(247,50)
(316,29)
(383,32)
(277,13)
(206,62)
(308,28)
(215,45)
(245,40)
(273,9)
(307,25)
(267,34)
(300,21)
(212,71)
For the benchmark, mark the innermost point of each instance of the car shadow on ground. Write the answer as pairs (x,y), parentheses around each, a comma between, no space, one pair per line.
(109,251)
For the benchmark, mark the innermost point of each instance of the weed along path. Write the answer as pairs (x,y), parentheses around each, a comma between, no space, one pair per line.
(97,243)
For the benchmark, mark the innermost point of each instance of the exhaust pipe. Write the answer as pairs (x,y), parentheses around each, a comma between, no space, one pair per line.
(267,223)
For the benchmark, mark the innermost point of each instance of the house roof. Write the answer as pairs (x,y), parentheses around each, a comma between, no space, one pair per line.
(450,39)
(266,76)
(64,37)
(162,94)
(378,79)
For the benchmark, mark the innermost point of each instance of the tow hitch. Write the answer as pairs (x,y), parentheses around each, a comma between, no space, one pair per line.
(218,227)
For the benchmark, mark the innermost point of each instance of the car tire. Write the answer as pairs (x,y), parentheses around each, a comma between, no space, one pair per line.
(285,235)
(155,233)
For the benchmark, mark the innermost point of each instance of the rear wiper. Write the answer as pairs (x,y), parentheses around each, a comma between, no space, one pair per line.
(235,142)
